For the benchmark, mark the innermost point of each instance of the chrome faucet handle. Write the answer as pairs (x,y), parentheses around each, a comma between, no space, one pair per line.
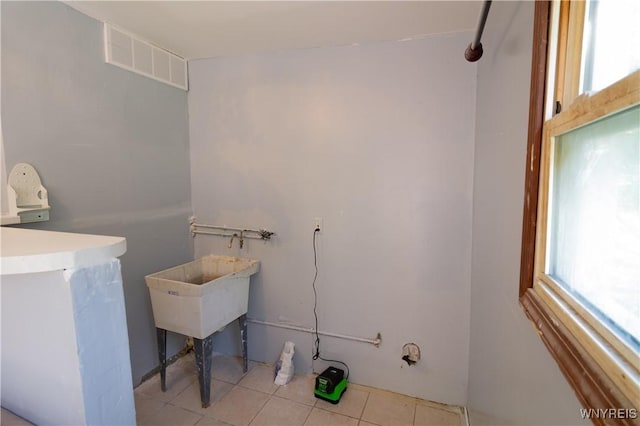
(265,235)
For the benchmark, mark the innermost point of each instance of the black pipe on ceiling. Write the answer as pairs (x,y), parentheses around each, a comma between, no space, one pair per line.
(474,50)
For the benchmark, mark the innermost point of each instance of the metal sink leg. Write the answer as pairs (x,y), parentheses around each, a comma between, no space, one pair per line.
(162,355)
(204,352)
(242,321)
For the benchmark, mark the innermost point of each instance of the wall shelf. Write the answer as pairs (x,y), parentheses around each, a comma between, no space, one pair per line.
(26,197)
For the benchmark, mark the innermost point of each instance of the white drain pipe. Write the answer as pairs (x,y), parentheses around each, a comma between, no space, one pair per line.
(375,342)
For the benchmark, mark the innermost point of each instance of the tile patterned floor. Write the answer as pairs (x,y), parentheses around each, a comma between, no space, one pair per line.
(252,399)
(7,418)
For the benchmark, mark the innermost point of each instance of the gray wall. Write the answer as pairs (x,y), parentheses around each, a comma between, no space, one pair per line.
(511,375)
(110,146)
(376,139)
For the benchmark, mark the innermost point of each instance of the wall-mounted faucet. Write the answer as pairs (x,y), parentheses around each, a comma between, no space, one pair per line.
(231,242)
(223,231)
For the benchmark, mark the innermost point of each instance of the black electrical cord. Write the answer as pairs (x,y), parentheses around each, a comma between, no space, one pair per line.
(316,354)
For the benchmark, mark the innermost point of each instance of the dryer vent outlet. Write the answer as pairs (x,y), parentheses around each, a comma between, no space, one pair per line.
(410,353)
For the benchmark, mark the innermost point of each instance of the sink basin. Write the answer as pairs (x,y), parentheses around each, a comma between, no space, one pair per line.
(200,297)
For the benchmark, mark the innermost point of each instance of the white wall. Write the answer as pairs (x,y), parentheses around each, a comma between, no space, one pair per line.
(54,386)
(376,139)
(65,352)
(4,208)
(111,147)
(512,377)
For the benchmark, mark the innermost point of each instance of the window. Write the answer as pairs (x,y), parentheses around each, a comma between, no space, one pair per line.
(580,272)
(594,221)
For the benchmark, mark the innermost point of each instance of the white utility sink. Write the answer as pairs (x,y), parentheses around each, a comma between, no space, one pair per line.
(200,297)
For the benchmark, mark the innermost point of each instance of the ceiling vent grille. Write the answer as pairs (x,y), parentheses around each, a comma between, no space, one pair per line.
(130,52)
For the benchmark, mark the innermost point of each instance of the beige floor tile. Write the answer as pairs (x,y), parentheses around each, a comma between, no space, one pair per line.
(281,412)
(228,368)
(7,418)
(170,415)
(363,423)
(176,383)
(389,410)
(189,399)
(208,421)
(146,409)
(427,416)
(260,378)
(299,389)
(351,404)
(326,418)
(145,421)
(187,363)
(439,405)
(390,394)
(184,367)
(239,406)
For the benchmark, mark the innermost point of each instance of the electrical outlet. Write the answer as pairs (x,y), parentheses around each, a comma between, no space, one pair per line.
(318,224)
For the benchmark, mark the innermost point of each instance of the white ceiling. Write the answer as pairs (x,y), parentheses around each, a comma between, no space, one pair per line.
(202,29)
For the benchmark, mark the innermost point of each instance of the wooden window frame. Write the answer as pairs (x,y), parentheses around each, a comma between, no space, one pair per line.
(593,387)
